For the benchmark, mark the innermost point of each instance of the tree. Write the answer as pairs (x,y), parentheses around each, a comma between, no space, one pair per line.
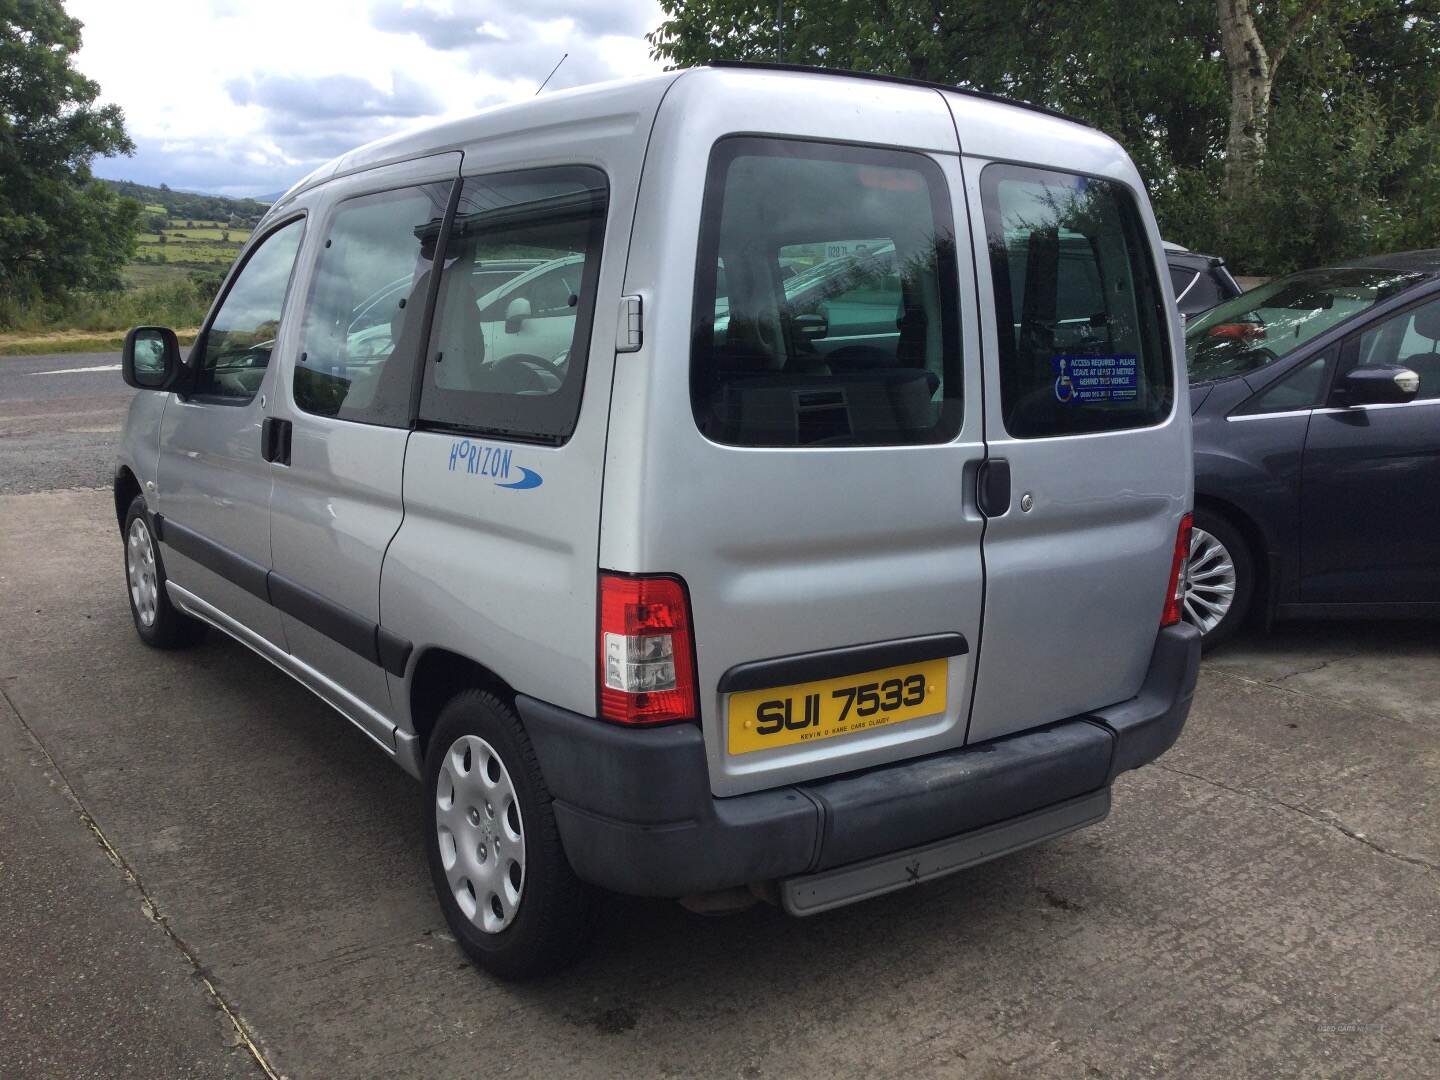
(1252,68)
(60,229)
(1279,133)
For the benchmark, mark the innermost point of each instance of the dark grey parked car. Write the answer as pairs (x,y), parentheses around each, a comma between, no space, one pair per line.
(1316,401)
(1200,281)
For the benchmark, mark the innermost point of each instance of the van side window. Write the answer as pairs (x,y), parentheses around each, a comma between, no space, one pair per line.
(1082,327)
(231,358)
(517,298)
(365,317)
(825,309)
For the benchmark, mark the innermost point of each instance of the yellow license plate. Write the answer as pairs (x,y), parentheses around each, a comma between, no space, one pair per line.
(805,712)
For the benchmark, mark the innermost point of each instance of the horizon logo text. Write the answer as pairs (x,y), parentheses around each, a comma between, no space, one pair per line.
(478,459)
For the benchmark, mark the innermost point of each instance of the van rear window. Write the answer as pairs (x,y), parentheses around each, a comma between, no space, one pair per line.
(1083,336)
(825,311)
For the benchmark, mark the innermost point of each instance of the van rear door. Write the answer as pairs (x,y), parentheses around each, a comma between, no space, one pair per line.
(1081,407)
(802,450)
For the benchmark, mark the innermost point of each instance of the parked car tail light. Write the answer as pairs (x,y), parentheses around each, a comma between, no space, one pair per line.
(1175,596)
(647,650)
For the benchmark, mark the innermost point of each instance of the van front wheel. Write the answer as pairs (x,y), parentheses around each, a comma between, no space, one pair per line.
(159,623)
(498,867)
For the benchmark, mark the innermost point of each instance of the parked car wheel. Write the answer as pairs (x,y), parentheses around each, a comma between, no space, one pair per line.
(1220,579)
(499,869)
(158,622)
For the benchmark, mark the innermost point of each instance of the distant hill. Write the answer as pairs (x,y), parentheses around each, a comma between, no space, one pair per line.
(188,204)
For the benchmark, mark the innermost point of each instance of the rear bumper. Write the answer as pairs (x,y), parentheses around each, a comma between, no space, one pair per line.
(635,812)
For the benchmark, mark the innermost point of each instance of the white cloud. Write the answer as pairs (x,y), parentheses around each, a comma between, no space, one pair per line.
(245,96)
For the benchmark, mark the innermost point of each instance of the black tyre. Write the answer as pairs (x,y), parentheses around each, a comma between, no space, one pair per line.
(159,623)
(1221,579)
(496,861)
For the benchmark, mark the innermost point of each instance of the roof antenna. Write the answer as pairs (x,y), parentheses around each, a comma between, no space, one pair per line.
(780,31)
(551,75)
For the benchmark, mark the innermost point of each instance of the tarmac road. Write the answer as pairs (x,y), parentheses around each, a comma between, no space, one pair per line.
(60,417)
(205,872)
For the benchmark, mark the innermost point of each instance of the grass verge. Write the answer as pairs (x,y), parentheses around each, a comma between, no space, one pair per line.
(29,343)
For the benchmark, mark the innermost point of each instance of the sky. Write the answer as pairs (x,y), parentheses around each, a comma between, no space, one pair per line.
(244,97)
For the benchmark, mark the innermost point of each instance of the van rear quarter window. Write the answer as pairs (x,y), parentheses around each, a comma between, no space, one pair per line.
(825,308)
(1083,338)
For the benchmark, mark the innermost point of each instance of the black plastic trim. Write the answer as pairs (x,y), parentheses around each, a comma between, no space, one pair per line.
(833,663)
(340,624)
(394,651)
(335,621)
(217,558)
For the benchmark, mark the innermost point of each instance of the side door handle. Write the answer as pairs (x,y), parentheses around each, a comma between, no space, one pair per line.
(992,487)
(275,440)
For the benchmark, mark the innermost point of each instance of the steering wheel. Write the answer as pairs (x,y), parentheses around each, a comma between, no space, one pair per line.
(534,374)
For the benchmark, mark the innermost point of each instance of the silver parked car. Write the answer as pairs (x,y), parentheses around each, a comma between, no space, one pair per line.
(781,531)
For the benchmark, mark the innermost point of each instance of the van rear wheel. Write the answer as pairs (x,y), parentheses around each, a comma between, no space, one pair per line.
(499,869)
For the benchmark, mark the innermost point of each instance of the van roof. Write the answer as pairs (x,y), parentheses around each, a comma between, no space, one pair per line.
(804,69)
(587,104)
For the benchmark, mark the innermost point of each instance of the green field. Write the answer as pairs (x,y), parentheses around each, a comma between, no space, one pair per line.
(169,281)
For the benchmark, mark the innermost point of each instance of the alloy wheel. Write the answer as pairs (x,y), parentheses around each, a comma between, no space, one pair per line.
(1210,581)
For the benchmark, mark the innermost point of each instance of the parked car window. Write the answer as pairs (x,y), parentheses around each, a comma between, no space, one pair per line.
(1077,298)
(1181,279)
(509,358)
(231,358)
(1258,327)
(1410,339)
(1205,295)
(365,318)
(1300,389)
(835,320)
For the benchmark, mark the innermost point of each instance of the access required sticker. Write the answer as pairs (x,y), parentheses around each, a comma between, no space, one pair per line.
(1087,379)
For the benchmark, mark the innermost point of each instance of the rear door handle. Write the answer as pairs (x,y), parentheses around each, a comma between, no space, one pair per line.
(275,440)
(992,487)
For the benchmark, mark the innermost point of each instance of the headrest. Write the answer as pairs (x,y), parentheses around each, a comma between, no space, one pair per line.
(1427,321)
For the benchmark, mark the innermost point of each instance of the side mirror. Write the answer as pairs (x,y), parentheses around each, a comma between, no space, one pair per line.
(1386,385)
(813,327)
(150,358)
(516,312)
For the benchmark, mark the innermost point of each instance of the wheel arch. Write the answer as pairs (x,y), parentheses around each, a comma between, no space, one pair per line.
(439,674)
(126,488)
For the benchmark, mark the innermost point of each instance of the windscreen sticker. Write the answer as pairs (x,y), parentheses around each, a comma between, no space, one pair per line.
(477,459)
(1084,380)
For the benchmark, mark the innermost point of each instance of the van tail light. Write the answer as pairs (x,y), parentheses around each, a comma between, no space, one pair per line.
(647,650)
(1175,596)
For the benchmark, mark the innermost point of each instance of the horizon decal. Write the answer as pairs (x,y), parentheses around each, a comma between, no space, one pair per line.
(477,459)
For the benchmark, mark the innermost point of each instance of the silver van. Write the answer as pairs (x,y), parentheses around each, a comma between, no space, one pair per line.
(742,481)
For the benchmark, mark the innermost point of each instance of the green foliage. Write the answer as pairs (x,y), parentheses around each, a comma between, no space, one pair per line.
(179,303)
(60,229)
(1353,164)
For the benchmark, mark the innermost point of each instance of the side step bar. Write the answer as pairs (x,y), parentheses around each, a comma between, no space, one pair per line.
(810,894)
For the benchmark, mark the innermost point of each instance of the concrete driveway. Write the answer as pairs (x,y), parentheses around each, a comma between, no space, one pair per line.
(203,871)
